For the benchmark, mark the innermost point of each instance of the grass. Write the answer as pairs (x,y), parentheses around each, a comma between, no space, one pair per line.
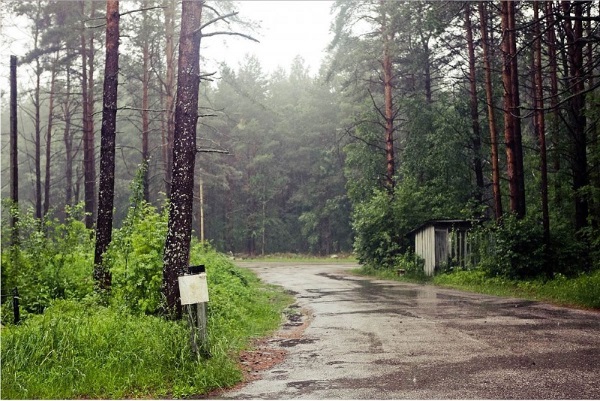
(296,257)
(582,291)
(81,350)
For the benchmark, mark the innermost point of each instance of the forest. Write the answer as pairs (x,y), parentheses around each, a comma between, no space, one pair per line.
(484,111)
(127,155)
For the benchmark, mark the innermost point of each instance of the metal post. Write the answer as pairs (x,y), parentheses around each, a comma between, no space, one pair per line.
(198,322)
(16,310)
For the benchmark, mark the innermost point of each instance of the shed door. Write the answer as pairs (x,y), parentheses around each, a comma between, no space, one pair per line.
(441,247)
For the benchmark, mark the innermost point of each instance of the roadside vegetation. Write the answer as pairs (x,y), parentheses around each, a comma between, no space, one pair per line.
(298,257)
(581,291)
(511,261)
(71,343)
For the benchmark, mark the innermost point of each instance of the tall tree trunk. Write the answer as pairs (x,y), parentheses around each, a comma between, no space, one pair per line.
(91,164)
(145,106)
(37,124)
(14,163)
(491,113)
(476,138)
(102,275)
(68,140)
(89,173)
(511,112)
(576,108)
(539,120)
(177,245)
(201,210)
(169,12)
(594,126)
(49,136)
(387,94)
(553,66)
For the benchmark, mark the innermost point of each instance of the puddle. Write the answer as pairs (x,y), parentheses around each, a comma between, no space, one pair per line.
(295,341)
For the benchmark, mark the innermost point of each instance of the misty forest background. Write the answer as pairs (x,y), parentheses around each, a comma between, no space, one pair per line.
(421,110)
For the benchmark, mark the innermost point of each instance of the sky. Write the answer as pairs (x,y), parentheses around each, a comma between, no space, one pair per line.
(288,29)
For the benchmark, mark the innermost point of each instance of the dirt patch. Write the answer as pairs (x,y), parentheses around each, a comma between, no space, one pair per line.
(265,353)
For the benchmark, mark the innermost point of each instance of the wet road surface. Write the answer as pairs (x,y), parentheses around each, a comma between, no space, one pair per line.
(374,339)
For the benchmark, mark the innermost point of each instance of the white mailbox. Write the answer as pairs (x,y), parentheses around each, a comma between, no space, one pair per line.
(193,289)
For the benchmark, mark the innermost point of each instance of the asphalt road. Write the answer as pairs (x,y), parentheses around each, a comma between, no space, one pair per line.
(374,339)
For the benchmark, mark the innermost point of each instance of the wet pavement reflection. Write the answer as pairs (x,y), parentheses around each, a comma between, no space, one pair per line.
(376,339)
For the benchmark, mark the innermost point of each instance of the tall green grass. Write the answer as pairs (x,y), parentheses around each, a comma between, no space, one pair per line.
(81,350)
(581,291)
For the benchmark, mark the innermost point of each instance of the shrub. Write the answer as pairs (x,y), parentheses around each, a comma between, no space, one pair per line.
(513,249)
(381,224)
(135,258)
(81,350)
(52,261)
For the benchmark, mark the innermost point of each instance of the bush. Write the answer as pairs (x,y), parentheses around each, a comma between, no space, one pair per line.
(513,249)
(81,350)
(381,224)
(135,258)
(378,235)
(53,260)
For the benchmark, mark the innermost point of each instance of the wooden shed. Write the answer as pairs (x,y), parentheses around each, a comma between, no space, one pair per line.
(441,243)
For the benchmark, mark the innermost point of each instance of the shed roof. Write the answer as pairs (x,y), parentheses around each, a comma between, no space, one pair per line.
(443,223)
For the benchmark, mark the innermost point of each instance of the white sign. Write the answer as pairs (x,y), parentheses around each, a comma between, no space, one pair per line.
(193,289)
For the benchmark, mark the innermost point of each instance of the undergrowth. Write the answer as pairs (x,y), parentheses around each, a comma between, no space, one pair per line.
(68,346)
(81,350)
(581,291)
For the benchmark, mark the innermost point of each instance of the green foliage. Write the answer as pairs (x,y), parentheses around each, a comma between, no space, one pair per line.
(80,350)
(515,249)
(84,351)
(378,235)
(407,267)
(135,257)
(381,224)
(239,303)
(582,290)
(52,261)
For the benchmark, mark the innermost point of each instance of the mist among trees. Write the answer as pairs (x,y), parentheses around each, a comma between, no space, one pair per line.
(484,111)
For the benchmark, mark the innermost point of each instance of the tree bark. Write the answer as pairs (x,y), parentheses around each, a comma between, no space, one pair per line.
(512,137)
(516,111)
(89,170)
(49,136)
(177,245)
(37,143)
(68,140)
(145,106)
(102,275)
(169,13)
(14,162)
(553,66)
(539,120)
(388,108)
(491,114)
(476,138)
(576,109)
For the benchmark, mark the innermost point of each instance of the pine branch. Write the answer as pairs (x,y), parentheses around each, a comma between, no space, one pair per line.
(206,35)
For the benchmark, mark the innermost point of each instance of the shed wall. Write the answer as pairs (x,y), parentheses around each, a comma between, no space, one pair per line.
(425,248)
